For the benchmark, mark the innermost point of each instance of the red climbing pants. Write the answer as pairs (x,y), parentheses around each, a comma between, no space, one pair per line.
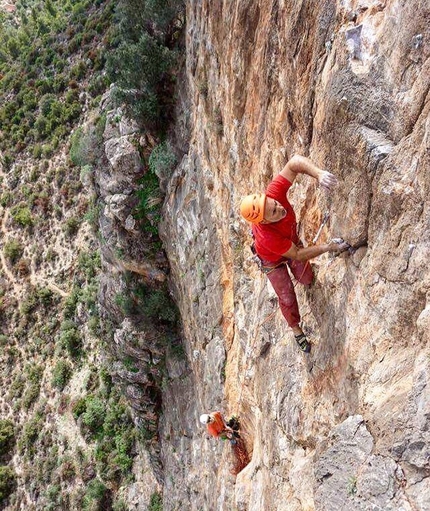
(284,288)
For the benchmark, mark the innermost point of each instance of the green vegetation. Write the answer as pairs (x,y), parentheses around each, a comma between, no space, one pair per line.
(94,414)
(70,338)
(150,303)
(61,374)
(30,434)
(13,250)
(156,502)
(108,422)
(52,69)
(89,263)
(7,435)
(7,482)
(142,65)
(86,144)
(44,62)
(71,226)
(96,496)
(162,160)
(150,200)
(33,375)
(22,215)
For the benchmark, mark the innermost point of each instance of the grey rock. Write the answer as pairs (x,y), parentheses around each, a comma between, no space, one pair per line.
(123,155)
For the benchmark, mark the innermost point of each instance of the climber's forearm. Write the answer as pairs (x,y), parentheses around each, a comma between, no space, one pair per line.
(302,165)
(307,253)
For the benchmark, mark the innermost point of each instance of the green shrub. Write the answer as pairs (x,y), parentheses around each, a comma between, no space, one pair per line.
(86,147)
(6,161)
(156,502)
(46,102)
(22,215)
(16,388)
(89,263)
(94,415)
(157,305)
(37,151)
(79,407)
(70,303)
(13,250)
(70,339)
(93,214)
(42,127)
(71,226)
(88,296)
(95,496)
(30,395)
(29,304)
(149,196)
(93,325)
(131,364)
(7,482)
(30,434)
(114,449)
(34,373)
(61,374)
(45,296)
(125,303)
(120,505)
(162,160)
(5,199)
(52,494)
(7,435)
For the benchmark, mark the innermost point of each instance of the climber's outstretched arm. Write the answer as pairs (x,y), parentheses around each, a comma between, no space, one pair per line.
(306,253)
(301,165)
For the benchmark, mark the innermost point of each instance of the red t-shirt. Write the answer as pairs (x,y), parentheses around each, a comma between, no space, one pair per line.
(273,240)
(218,426)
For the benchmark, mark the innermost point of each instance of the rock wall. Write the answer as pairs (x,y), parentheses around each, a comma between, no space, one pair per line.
(347,84)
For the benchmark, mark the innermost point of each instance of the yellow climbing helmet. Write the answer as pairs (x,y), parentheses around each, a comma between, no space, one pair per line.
(252,207)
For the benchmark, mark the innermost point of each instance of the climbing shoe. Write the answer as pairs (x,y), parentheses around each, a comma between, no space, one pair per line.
(303,343)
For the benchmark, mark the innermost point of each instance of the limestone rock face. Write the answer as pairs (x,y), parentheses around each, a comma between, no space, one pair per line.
(347,427)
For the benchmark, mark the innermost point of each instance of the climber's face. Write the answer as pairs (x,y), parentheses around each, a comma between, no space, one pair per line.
(273,211)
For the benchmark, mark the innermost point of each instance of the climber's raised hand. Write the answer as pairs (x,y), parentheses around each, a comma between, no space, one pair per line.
(327,180)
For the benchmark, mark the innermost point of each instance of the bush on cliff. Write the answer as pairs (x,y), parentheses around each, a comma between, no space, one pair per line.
(7,482)
(7,435)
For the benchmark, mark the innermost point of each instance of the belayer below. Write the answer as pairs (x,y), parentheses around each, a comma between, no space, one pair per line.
(217,427)
(276,242)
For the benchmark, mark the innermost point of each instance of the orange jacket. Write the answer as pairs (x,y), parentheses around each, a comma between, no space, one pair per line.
(218,426)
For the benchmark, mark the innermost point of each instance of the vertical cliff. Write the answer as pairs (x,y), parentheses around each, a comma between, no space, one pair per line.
(347,84)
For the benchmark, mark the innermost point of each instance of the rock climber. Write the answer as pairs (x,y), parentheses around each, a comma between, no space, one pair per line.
(276,242)
(217,427)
